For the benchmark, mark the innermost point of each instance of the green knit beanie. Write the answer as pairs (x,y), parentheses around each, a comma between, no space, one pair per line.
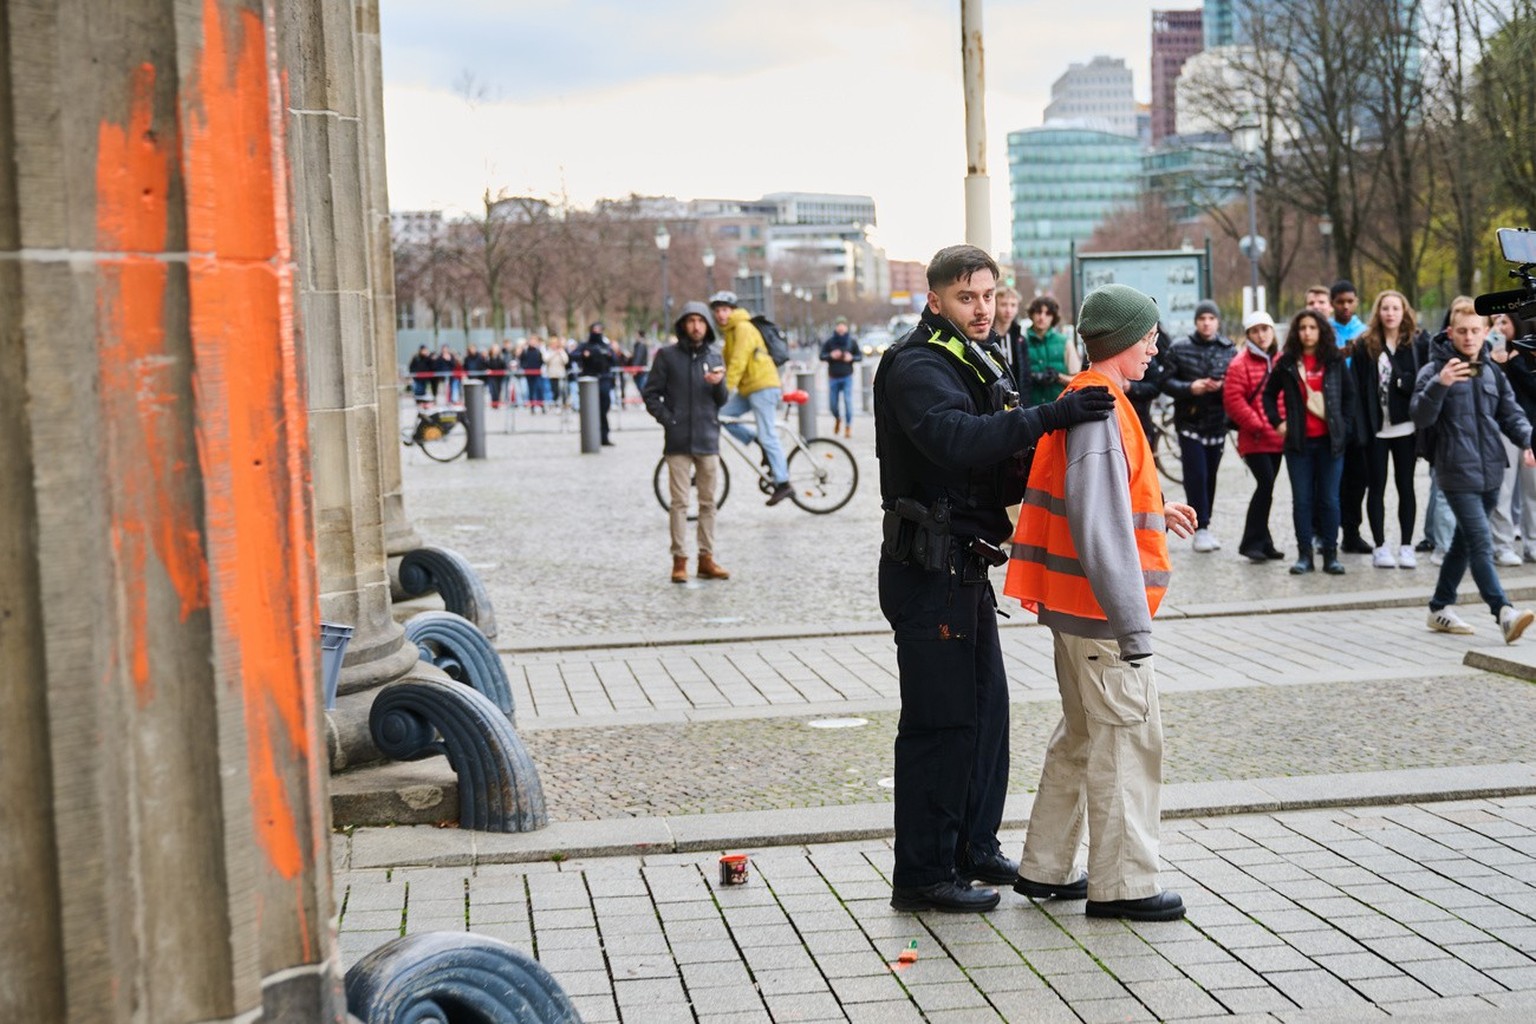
(1113,318)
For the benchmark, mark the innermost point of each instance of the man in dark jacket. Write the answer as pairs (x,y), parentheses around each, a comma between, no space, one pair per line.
(948,433)
(684,392)
(422,367)
(597,360)
(1195,372)
(840,352)
(1465,401)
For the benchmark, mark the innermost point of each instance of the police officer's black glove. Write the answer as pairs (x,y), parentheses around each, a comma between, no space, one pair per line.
(1076,407)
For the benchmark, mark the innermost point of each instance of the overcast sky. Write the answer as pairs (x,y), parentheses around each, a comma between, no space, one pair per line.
(727,99)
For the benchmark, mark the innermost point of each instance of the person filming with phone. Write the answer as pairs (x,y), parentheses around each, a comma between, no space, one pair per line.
(1462,401)
(684,392)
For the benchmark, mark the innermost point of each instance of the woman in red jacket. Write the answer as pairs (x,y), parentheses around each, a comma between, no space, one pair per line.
(1258,443)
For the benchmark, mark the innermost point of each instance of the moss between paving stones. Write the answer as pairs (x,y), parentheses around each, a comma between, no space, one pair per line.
(1255,732)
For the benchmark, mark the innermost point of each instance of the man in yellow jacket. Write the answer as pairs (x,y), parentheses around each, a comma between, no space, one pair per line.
(754,384)
(1090,557)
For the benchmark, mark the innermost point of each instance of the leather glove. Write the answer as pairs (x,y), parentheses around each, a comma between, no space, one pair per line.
(1076,407)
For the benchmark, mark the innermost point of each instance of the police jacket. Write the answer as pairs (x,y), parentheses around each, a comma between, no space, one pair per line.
(595,356)
(1190,359)
(1466,419)
(940,432)
(678,397)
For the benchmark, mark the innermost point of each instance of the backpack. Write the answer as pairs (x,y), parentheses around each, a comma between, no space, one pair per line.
(773,339)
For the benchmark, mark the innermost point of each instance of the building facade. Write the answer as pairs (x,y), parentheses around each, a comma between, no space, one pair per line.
(1098,94)
(1176,37)
(1064,180)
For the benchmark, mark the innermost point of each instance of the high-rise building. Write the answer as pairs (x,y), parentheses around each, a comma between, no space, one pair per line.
(1222,23)
(1176,36)
(1065,179)
(1097,94)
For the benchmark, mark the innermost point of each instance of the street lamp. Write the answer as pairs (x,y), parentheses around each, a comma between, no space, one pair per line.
(1325,228)
(1247,137)
(709,270)
(663,241)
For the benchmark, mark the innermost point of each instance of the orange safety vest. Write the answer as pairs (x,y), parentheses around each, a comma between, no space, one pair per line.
(1044,568)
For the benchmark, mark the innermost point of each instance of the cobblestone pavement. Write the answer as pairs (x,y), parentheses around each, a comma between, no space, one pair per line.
(574,546)
(748,764)
(1424,911)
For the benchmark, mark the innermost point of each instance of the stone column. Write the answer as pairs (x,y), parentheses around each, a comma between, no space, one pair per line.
(399,535)
(319,50)
(164,826)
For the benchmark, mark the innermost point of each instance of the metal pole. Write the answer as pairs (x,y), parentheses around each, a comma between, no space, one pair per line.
(978,188)
(867,386)
(666,297)
(1253,230)
(591,416)
(474,417)
(805,380)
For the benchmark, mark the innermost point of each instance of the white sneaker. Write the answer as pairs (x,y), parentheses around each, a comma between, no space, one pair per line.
(1405,557)
(1507,558)
(1513,622)
(1447,621)
(1382,558)
(1204,542)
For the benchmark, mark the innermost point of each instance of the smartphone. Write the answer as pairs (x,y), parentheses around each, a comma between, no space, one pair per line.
(1519,244)
(1474,369)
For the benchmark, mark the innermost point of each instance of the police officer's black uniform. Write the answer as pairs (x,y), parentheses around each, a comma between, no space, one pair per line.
(949,441)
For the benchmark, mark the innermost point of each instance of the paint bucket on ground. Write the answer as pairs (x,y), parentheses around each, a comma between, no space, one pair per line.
(333,647)
(733,869)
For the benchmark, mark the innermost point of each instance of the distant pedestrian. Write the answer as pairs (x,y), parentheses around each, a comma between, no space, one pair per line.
(556,359)
(639,361)
(531,365)
(1090,558)
(1053,360)
(1010,332)
(840,352)
(1258,443)
(448,368)
(1347,327)
(496,374)
(1310,397)
(1385,367)
(474,363)
(754,382)
(597,359)
(1196,370)
(1465,402)
(422,368)
(684,392)
(1520,367)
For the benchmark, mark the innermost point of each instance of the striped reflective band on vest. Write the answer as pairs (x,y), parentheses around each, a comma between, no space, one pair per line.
(1044,568)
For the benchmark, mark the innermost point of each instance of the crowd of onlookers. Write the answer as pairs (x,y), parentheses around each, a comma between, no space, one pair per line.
(533,371)
(1348,405)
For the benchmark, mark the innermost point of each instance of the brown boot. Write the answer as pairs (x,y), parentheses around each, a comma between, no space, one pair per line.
(709,569)
(837,426)
(680,568)
(848,430)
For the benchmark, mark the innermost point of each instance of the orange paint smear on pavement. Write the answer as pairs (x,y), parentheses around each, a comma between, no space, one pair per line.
(252,431)
(152,515)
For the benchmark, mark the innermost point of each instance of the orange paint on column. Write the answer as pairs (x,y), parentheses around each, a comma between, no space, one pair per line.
(154,519)
(253,432)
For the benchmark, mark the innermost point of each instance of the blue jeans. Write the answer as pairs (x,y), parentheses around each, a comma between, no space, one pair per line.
(1315,472)
(841,388)
(1439,523)
(1471,545)
(764,406)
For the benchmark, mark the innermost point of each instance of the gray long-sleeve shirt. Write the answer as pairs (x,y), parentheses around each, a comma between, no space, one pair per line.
(1098,498)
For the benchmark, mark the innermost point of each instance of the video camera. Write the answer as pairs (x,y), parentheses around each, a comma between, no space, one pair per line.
(1519,247)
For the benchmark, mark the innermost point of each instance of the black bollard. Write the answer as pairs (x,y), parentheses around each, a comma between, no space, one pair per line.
(474,417)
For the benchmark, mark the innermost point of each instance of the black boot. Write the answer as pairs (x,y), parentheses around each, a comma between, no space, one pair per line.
(1353,544)
(1331,564)
(1304,564)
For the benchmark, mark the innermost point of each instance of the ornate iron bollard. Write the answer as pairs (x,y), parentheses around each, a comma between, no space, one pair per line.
(454,978)
(456,645)
(443,571)
(499,789)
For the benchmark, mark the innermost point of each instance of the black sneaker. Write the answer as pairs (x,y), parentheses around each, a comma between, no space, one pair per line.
(994,870)
(780,492)
(1074,890)
(1165,906)
(952,897)
(1424,546)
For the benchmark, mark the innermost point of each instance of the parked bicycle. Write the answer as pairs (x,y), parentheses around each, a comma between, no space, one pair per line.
(1165,441)
(822,473)
(439,432)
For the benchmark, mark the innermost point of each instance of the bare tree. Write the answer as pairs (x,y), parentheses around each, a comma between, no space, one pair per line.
(1504,95)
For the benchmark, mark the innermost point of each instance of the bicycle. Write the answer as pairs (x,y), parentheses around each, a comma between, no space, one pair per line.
(1165,441)
(439,432)
(822,473)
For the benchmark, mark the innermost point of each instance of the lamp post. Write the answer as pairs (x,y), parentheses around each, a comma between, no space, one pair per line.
(1247,139)
(663,240)
(1325,228)
(709,270)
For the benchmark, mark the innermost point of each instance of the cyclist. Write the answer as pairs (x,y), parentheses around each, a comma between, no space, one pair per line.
(754,382)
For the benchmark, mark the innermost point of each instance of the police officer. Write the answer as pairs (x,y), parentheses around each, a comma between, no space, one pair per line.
(951,441)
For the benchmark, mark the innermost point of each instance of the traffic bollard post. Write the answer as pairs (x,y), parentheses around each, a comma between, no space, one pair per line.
(591,416)
(474,418)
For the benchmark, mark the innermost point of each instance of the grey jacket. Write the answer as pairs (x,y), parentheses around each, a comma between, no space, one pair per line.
(1098,493)
(676,394)
(1467,418)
